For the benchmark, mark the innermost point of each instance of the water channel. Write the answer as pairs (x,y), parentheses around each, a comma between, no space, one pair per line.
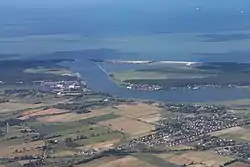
(99,81)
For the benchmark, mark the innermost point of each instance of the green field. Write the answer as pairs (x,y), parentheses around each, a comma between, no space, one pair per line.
(95,120)
(54,71)
(133,75)
(161,73)
(14,137)
(71,130)
(205,74)
(154,160)
(14,164)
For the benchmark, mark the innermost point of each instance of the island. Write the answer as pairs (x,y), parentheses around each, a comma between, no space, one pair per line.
(167,75)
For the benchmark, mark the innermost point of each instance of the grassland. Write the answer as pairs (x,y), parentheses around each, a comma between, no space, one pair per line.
(42,112)
(98,162)
(17,144)
(132,120)
(241,134)
(17,106)
(137,111)
(201,74)
(102,128)
(155,72)
(128,126)
(13,110)
(232,130)
(127,161)
(13,71)
(238,103)
(154,160)
(53,71)
(133,75)
(239,164)
(72,117)
(205,158)
(101,145)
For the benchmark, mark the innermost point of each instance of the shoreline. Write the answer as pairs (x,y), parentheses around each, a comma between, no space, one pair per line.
(187,63)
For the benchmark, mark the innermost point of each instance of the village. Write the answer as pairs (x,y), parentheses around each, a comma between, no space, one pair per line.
(143,87)
(193,130)
(64,88)
(155,87)
(184,130)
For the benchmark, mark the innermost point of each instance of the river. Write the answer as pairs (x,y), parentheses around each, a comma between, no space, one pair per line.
(99,81)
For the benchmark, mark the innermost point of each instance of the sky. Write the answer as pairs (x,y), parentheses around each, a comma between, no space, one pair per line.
(143,3)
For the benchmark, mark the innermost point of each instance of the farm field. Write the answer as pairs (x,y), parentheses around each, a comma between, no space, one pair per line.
(204,158)
(23,162)
(239,164)
(166,156)
(127,125)
(154,160)
(234,103)
(125,162)
(133,119)
(70,130)
(17,144)
(63,153)
(180,147)
(55,71)
(28,148)
(35,113)
(232,130)
(14,137)
(138,110)
(98,162)
(130,119)
(16,106)
(69,117)
(150,118)
(163,72)
(133,75)
(236,133)
(101,145)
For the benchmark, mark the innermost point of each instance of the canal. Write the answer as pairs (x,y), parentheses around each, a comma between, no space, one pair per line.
(97,79)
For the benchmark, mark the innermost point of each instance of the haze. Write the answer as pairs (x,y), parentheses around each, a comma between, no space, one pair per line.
(52,25)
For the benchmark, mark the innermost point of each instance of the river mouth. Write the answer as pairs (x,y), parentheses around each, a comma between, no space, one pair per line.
(99,81)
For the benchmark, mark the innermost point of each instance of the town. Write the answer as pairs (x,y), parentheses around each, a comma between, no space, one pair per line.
(63,88)
(193,129)
(143,87)
(155,87)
